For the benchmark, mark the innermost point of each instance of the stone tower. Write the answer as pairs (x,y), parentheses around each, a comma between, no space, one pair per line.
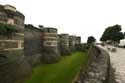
(12,61)
(72,42)
(50,45)
(64,44)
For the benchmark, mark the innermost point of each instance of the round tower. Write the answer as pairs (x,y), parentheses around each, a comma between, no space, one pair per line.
(50,45)
(64,44)
(72,42)
(12,60)
(78,40)
(78,44)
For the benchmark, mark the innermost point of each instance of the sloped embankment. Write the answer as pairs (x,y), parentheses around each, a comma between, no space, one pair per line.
(97,67)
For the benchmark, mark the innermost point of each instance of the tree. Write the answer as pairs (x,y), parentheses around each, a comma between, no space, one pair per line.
(6,29)
(112,33)
(124,35)
(41,26)
(91,39)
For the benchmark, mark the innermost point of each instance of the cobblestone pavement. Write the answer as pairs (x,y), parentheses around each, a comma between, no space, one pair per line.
(118,63)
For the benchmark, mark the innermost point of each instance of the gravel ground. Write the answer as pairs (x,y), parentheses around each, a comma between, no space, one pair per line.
(117,63)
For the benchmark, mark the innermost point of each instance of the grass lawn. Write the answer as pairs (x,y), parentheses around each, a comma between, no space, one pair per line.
(62,72)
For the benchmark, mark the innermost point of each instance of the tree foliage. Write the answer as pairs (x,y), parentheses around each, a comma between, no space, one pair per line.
(91,39)
(112,33)
(6,29)
(124,34)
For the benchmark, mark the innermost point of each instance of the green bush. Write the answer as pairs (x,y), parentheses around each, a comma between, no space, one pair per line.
(6,29)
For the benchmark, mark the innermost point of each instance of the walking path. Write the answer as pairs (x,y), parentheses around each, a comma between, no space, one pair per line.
(118,63)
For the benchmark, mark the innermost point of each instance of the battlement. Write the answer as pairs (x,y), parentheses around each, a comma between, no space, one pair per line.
(9,7)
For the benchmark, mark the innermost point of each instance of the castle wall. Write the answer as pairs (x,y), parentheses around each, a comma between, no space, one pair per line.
(29,46)
(33,44)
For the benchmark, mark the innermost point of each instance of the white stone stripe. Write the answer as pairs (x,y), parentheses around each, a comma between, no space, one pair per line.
(49,45)
(67,40)
(51,37)
(9,49)
(50,33)
(50,41)
(66,44)
(20,34)
(11,41)
(20,45)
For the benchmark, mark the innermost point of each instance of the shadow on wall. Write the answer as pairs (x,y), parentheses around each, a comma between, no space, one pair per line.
(15,71)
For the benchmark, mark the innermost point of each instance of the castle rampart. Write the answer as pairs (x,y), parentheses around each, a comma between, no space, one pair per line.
(29,45)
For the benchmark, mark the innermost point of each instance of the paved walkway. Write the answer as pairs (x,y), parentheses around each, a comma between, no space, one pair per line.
(118,63)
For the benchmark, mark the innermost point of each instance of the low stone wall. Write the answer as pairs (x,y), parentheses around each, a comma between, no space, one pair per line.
(97,67)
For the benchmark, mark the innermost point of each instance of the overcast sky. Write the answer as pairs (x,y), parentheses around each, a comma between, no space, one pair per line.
(81,17)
